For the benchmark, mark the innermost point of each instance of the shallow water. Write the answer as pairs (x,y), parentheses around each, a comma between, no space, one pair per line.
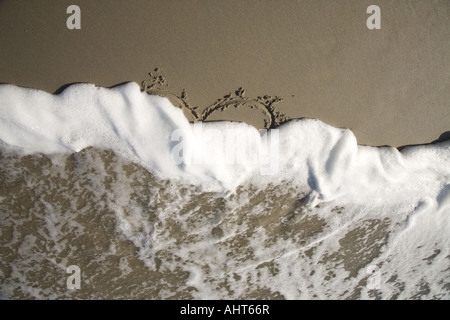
(136,236)
(115,191)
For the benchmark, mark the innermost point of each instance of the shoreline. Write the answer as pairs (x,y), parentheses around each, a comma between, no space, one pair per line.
(388,86)
(245,115)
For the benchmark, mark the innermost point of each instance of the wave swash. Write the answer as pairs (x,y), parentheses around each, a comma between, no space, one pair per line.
(89,178)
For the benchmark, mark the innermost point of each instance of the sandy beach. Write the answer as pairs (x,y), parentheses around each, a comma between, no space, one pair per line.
(109,191)
(389,86)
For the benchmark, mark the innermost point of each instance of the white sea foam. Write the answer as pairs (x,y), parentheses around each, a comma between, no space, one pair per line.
(142,127)
(400,200)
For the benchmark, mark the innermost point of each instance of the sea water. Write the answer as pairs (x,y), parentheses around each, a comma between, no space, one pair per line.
(149,206)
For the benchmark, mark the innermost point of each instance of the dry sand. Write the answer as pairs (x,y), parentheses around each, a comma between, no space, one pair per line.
(390,86)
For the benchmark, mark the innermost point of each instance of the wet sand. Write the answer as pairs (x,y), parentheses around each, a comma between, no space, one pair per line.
(390,86)
(135,236)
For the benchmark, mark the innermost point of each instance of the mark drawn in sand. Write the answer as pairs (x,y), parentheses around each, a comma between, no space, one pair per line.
(158,85)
